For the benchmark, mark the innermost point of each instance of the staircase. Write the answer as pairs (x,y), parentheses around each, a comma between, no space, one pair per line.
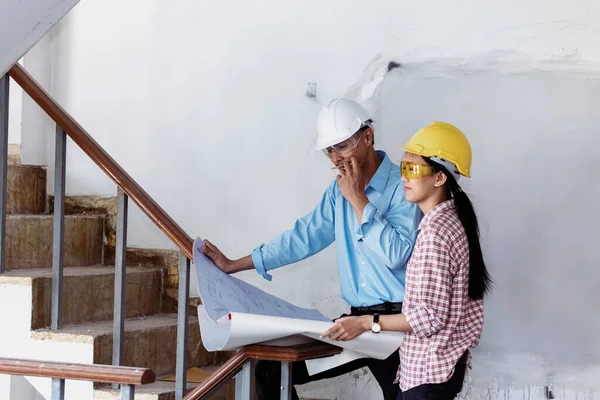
(85,336)
(49,257)
(88,290)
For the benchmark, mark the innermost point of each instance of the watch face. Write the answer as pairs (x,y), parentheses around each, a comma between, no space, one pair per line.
(376,328)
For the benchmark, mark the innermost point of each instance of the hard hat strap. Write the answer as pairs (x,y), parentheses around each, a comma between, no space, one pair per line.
(450,167)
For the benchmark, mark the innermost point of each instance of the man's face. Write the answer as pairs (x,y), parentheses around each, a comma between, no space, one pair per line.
(354,146)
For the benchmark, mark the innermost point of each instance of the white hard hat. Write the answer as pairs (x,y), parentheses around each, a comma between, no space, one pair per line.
(338,121)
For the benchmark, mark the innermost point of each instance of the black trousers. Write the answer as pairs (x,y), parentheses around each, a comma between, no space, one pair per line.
(268,373)
(440,391)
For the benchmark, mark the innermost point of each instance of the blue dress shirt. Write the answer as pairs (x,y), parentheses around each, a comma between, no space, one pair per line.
(371,254)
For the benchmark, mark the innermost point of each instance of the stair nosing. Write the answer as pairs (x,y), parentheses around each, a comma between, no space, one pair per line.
(45,216)
(89,338)
(158,391)
(32,166)
(23,279)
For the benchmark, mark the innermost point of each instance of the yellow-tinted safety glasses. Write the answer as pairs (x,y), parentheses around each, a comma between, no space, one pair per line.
(411,170)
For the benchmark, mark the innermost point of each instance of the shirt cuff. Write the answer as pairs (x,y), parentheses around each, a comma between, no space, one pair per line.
(258,263)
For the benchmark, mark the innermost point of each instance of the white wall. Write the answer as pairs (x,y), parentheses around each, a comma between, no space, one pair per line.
(15,111)
(17,387)
(23,23)
(37,129)
(203,103)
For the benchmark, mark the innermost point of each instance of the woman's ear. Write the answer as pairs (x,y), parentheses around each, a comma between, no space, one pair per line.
(440,179)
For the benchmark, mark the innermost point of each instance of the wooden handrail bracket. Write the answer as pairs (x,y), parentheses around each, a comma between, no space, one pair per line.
(302,352)
(89,146)
(83,372)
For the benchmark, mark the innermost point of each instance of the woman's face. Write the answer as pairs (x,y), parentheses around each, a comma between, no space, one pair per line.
(419,189)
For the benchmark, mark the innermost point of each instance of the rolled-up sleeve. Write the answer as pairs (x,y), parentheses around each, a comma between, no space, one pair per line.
(310,234)
(433,290)
(257,260)
(391,236)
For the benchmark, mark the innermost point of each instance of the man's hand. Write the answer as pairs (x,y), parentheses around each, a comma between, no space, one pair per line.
(347,328)
(351,182)
(217,257)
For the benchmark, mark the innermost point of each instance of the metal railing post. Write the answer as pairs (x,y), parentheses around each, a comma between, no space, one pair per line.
(4,100)
(286,380)
(127,392)
(182,326)
(58,248)
(120,270)
(58,389)
(243,382)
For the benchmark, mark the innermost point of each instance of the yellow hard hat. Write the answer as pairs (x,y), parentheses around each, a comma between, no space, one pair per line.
(442,141)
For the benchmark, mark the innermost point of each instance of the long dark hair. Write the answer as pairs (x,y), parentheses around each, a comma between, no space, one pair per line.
(479,278)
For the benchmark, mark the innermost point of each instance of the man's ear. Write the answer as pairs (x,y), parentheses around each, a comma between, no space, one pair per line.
(369,136)
(440,179)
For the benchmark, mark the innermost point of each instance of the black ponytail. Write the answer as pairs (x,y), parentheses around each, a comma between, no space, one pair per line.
(479,278)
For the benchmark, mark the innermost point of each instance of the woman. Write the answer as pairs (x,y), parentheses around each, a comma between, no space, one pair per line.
(446,277)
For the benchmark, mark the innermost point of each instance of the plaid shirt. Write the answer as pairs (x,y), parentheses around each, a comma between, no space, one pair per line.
(445,321)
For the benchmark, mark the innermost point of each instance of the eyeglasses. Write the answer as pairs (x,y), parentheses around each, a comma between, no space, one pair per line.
(346,146)
(411,170)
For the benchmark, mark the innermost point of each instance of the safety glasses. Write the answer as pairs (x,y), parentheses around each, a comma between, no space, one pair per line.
(411,170)
(346,146)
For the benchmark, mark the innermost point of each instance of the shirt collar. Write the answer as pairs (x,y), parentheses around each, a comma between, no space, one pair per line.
(435,211)
(379,180)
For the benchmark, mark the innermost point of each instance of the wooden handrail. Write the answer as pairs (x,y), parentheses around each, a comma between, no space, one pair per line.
(302,352)
(225,372)
(83,372)
(173,231)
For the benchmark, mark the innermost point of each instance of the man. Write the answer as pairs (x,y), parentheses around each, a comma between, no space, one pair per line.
(374,227)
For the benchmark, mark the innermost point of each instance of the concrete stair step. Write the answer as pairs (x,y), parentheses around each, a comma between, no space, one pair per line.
(149,342)
(26,189)
(14,153)
(161,390)
(89,292)
(29,240)
(154,391)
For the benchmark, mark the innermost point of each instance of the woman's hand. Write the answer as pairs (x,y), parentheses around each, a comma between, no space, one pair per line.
(347,328)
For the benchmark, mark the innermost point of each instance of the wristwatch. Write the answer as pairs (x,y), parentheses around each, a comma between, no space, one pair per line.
(375,327)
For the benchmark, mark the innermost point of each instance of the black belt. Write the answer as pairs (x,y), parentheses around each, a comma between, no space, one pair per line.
(385,307)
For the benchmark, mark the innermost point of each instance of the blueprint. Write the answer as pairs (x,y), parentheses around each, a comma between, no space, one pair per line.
(222,294)
(234,314)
